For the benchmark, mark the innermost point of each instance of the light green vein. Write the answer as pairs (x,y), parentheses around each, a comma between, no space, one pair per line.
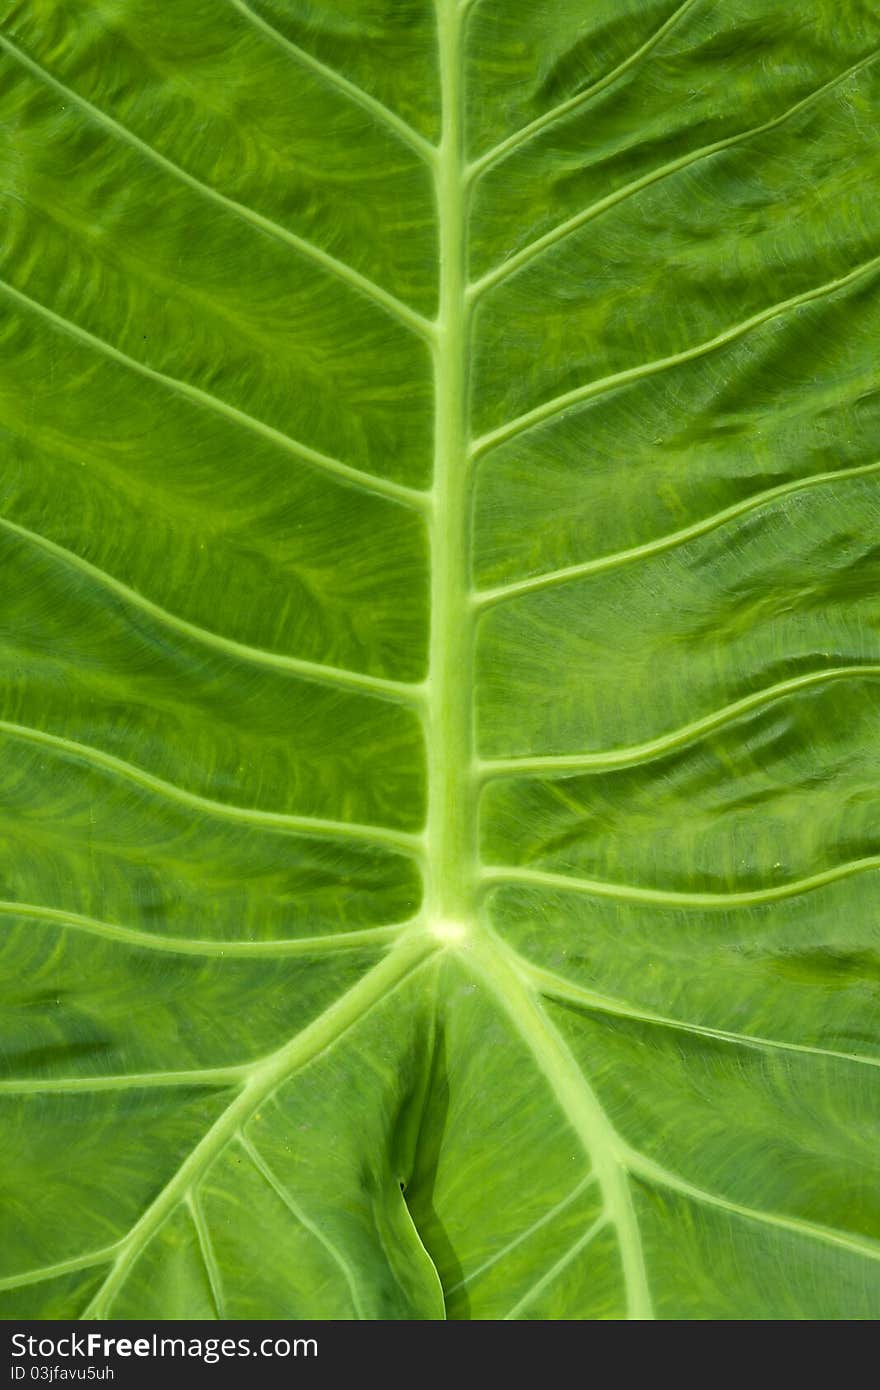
(135,1081)
(555,1270)
(542,413)
(677,738)
(396,692)
(567,107)
(451,814)
(393,306)
(186,946)
(486,597)
(556,987)
(543,243)
(365,482)
(371,104)
(265,1078)
(59,1268)
(523,1236)
(206,1249)
(312,1227)
(578,1102)
(401,841)
(629,892)
(646,1168)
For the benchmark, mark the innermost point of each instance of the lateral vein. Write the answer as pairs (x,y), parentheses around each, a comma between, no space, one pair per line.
(136,1081)
(556,1269)
(486,597)
(644,1167)
(401,840)
(571,104)
(523,1236)
(529,253)
(296,1211)
(602,385)
(365,482)
(59,1267)
(206,1249)
(193,946)
(393,306)
(553,985)
(371,104)
(629,892)
(396,692)
(665,743)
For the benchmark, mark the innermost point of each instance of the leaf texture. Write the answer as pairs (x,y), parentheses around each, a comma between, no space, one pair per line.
(439,461)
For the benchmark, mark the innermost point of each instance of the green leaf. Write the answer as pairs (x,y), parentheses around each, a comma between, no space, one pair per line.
(439,496)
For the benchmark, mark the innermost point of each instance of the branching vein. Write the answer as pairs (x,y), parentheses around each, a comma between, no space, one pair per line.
(59,1268)
(652,1172)
(555,987)
(520,259)
(397,692)
(576,1097)
(553,578)
(206,1249)
(376,108)
(132,1081)
(305,1221)
(393,306)
(677,738)
(559,404)
(544,1220)
(579,100)
(399,840)
(630,892)
(264,1081)
(556,1269)
(366,482)
(365,939)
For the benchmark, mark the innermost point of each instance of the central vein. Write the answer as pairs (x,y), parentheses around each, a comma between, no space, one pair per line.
(452,829)
(452,839)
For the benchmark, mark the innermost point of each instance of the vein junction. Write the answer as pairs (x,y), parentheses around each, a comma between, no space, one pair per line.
(454,881)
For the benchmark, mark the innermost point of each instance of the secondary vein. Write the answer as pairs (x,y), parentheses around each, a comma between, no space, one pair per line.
(648,1169)
(555,986)
(356,477)
(206,1249)
(558,404)
(264,1080)
(393,306)
(494,874)
(133,1081)
(305,1221)
(542,1221)
(556,1269)
(376,108)
(485,598)
(580,99)
(665,743)
(520,259)
(400,840)
(366,938)
(396,692)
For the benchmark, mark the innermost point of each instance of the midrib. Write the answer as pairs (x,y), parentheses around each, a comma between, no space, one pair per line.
(452,779)
(453,871)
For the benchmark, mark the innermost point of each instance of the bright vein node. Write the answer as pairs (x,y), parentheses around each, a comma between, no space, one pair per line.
(449,932)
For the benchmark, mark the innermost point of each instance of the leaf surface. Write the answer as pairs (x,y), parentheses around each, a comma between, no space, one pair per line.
(439,706)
